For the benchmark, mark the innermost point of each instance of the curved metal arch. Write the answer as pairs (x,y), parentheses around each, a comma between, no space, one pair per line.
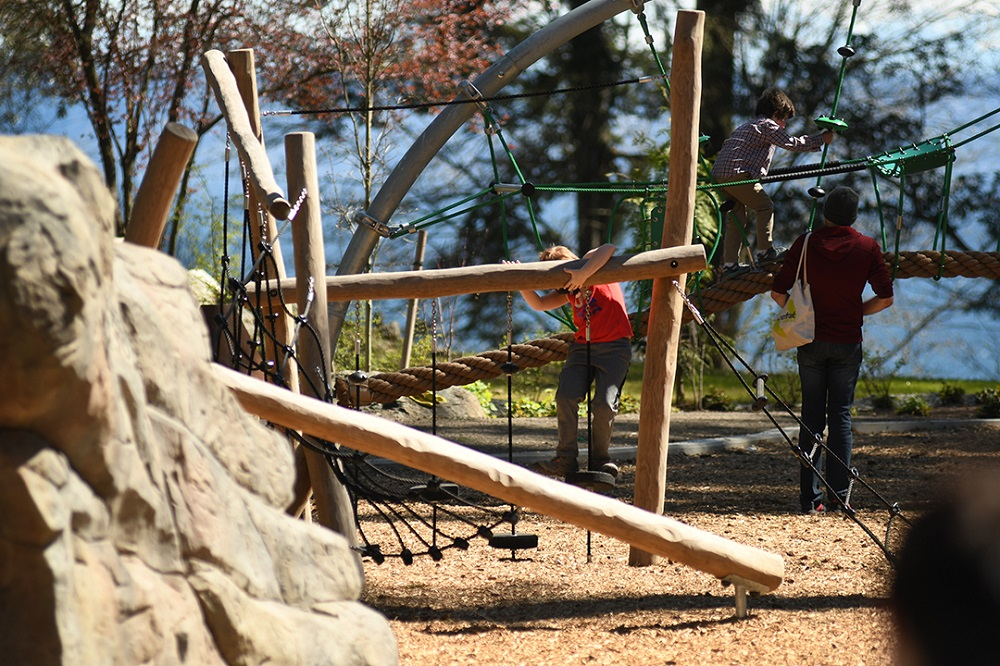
(426,146)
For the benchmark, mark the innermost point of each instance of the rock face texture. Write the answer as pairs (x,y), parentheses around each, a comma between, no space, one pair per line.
(141,515)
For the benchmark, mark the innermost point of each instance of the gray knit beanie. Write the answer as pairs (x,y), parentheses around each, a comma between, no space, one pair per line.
(841,206)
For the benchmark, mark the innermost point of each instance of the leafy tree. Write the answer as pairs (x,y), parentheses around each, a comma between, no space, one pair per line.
(133,66)
(130,65)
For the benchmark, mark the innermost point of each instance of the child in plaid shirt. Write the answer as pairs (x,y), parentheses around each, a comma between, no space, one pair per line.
(746,155)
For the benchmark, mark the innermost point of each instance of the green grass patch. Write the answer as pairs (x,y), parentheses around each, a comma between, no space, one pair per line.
(536,387)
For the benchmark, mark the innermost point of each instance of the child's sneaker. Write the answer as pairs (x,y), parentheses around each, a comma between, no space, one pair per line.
(557,467)
(729,270)
(773,254)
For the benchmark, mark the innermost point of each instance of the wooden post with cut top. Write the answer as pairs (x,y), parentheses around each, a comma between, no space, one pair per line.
(663,331)
(159,185)
(333,504)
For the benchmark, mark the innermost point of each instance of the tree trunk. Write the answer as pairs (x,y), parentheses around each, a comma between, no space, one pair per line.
(718,69)
(590,119)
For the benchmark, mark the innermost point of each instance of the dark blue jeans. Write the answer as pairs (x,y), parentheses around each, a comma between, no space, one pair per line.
(829,374)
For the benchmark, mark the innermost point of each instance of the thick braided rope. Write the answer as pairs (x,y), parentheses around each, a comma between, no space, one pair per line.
(925,264)
(388,386)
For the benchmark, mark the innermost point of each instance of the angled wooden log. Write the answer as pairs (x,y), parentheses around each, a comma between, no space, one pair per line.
(654,533)
(500,277)
(254,157)
(159,185)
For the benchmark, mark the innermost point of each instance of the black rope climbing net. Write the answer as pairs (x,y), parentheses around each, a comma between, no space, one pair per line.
(809,451)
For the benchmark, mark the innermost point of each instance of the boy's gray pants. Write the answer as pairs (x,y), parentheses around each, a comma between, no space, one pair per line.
(609,362)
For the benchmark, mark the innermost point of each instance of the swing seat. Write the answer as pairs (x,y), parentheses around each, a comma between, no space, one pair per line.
(598,482)
(434,491)
(513,541)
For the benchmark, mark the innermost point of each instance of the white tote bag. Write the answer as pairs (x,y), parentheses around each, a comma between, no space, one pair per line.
(796,323)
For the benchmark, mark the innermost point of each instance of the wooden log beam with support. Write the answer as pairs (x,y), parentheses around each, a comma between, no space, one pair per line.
(249,147)
(486,278)
(704,551)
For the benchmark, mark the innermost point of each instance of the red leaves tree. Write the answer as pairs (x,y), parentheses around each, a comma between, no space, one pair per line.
(134,65)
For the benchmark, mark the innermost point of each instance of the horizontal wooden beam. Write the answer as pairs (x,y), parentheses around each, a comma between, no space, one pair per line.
(370,434)
(499,277)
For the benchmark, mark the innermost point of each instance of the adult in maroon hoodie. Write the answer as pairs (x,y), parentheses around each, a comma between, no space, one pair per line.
(840,261)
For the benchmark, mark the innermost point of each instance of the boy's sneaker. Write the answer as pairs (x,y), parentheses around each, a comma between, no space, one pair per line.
(729,270)
(773,254)
(557,467)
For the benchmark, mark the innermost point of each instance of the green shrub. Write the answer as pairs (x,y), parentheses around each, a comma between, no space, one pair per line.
(716,400)
(628,404)
(877,378)
(883,401)
(484,395)
(532,408)
(914,405)
(989,403)
(951,394)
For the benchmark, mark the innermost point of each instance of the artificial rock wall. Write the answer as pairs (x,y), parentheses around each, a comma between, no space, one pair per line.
(141,509)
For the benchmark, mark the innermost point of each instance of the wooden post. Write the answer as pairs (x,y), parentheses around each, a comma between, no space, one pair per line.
(663,332)
(411,307)
(159,185)
(681,543)
(333,504)
(669,262)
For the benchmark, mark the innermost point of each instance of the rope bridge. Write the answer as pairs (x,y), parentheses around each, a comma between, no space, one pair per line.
(388,386)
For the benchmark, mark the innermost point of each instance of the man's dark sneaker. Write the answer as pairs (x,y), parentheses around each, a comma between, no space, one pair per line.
(773,254)
(840,507)
(557,467)
(814,510)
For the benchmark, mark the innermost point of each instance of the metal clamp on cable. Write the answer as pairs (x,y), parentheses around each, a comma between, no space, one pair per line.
(473,93)
(760,399)
(381,228)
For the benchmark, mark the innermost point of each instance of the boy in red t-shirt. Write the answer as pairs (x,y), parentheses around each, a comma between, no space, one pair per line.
(603,307)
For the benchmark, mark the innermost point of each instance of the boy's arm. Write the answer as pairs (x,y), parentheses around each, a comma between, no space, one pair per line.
(595,259)
(780,137)
(548,301)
